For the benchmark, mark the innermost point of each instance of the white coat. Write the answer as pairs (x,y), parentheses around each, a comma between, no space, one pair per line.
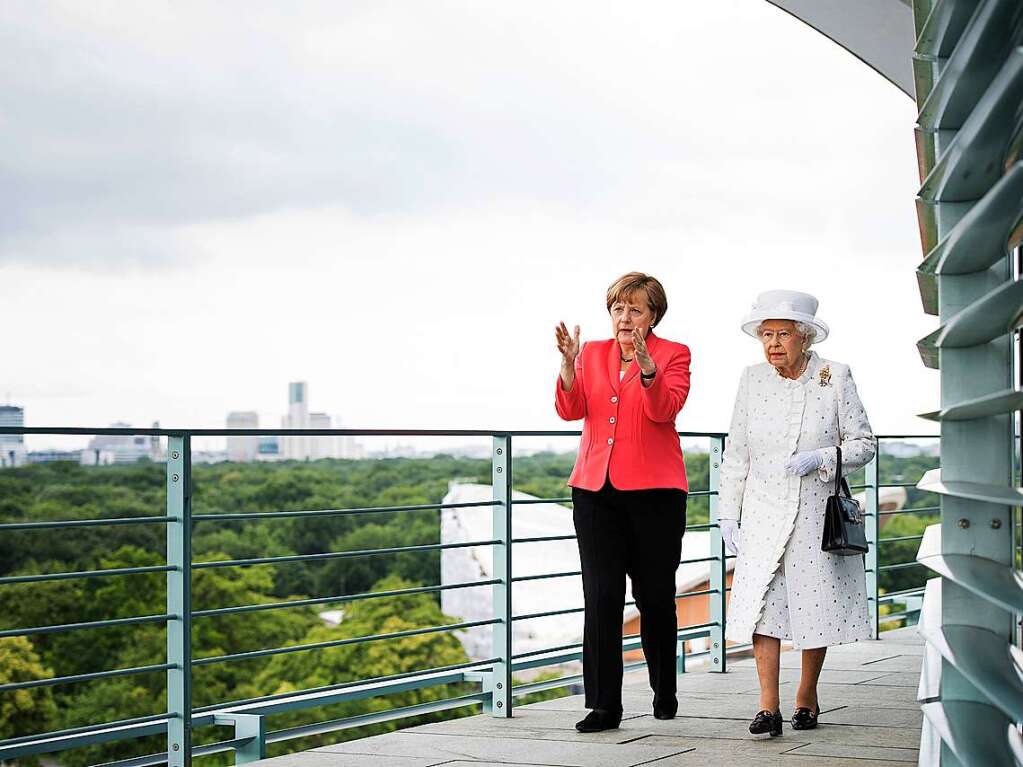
(781,515)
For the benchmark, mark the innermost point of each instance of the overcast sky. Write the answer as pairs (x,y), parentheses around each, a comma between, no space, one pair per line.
(396,202)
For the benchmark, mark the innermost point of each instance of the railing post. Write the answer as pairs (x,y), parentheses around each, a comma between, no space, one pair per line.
(501,683)
(718,568)
(873,556)
(251,726)
(179,602)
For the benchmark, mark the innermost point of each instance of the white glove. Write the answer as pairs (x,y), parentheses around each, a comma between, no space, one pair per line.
(802,464)
(730,534)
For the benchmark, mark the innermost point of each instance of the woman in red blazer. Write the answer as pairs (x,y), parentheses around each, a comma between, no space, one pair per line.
(628,490)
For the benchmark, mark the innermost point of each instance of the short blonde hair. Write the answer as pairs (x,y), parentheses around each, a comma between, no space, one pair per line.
(626,286)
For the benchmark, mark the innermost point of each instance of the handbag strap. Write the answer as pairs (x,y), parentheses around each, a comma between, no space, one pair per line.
(839,479)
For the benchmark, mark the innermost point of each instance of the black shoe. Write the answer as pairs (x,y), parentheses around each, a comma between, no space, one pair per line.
(598,720)
(805,719)
(667,709)
(766,722)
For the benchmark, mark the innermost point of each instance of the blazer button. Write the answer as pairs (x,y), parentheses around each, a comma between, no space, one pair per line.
(614,400)
(610,440)
(611,419)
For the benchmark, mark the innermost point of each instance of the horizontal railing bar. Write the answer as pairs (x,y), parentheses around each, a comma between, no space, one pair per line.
(340,642)
(361,720)
(547,614)
(83,729)
(543,538)
(710,526)
(111,521)
(258,515)
(86,677)
(570,610)
(567,574)
(531,501)
(921,510)
(916,591)
(698,560)
(901,538)
(339,554)
(270,432)
(898,616)
(87,625)
(700,493)
(547,684)
(902,484)
(85,574)
(342,598)
(682,633)
(151,760)
(901,566)
(250,702)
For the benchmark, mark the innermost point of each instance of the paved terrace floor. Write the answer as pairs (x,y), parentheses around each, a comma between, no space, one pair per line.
(869,718)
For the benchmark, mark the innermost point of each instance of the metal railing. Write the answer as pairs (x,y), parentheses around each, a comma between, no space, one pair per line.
(247,719)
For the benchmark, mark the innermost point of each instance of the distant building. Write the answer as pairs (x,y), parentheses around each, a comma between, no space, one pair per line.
(321,447)
(242,448)
(123,448)
(53,456)
(297,448)
(12,446)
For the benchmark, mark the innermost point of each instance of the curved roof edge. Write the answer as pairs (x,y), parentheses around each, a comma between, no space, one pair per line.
(880,33)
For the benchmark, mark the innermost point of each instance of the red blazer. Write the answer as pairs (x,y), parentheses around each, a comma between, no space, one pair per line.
(628,430)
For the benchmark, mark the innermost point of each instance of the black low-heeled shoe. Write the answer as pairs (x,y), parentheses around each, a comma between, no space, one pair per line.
(666,709)
(766,722)
(598,720)
(804,718)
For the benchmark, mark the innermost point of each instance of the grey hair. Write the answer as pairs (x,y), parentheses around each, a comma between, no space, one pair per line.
(804,329)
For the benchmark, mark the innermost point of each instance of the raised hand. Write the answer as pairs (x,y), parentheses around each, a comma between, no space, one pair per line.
(568,345)
(643,358)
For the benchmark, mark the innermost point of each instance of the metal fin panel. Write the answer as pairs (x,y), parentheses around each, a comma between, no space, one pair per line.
(932,482)
(983,657)
(994,582)
(973,161)
(997,403)
(991,31)
(943,28)
(974,732)
(928,350)
(984,320)
(981,238)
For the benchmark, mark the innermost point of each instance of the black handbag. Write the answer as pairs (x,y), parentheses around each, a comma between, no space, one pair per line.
(844,530)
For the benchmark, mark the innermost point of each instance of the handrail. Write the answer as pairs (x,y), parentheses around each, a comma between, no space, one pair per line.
(180,518)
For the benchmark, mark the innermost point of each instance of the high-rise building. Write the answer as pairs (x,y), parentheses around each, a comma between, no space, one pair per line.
(242,448)
(297,448)
(321,447)
(12,446)
(124,448)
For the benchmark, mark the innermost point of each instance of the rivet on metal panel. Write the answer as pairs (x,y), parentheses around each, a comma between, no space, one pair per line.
(174,478)
(500,451)
(964,523)
(715,661)
(500,685)
(715,450)
(175,455)
(176,747)
(996,524)
(500,704)
(715,465)
(499,469)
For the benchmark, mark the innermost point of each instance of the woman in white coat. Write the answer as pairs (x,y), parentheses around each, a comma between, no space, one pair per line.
(778,471)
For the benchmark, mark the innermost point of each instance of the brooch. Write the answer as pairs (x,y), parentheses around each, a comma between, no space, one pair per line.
(825,376)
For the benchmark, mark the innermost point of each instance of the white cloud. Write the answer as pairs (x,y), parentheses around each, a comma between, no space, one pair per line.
(395,201)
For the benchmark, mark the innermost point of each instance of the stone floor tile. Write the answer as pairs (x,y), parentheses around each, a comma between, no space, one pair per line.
(857,752)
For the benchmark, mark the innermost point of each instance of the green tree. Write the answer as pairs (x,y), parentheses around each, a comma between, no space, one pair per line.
(378,658)
(24,711)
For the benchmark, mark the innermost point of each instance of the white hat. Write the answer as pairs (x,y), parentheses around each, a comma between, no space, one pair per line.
(785,305)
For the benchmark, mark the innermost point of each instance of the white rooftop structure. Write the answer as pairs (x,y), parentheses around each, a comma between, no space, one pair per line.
(475,563)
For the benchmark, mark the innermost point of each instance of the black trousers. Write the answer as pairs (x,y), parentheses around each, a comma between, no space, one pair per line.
(636,533)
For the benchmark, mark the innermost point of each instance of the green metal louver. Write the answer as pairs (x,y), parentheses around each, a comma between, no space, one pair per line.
(968,71)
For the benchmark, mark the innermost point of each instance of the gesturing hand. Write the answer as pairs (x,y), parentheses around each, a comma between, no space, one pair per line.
(568,345)
(803,463)
(643,358)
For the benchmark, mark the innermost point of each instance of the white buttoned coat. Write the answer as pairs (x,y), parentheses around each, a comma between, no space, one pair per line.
(782,516)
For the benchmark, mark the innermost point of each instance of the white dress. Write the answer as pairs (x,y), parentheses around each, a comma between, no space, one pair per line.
(784,585)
